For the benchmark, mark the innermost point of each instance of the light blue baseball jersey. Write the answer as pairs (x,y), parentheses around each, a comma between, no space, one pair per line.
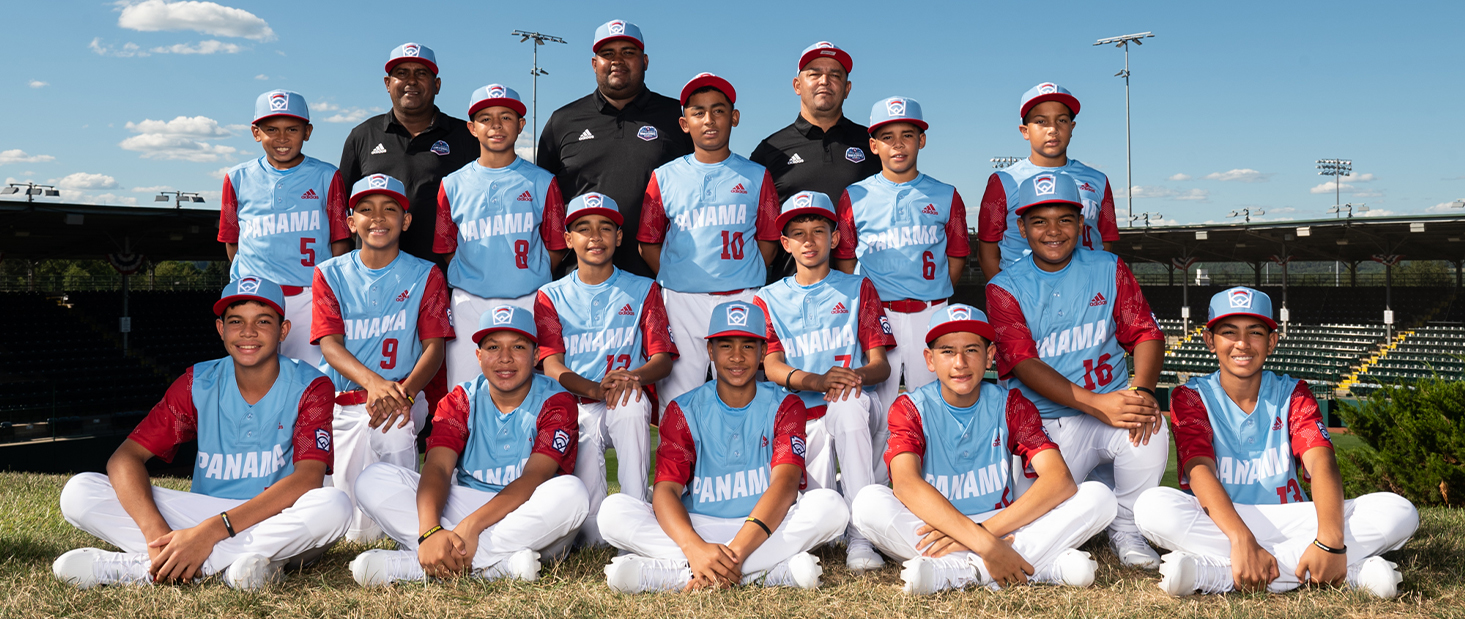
(501,224)
(493,447)
(617,324)
(997,220)
(283,220)
(708,219)
(830,323)
(902,233)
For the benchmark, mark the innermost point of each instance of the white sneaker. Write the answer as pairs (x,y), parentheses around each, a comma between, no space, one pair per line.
(637,574)
(1133,550)
(522,565)
(927,575)
(801,570)
(89,567)
(379,568)
(1183,573)
(1377,576)
(1073,567)
(861,555)
(253,571)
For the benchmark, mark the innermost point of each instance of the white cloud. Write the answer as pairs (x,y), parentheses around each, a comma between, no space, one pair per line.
(85,180)
(153,189)
(1196,195)
(261,77)
(1347,186)
(1244,175)
(201,47)
(183,138)
(38,84)
(1446,207)
(343,114)
(16,155)
(524,146)
(205,17)
(1180,177)
(220,173)
(128,50)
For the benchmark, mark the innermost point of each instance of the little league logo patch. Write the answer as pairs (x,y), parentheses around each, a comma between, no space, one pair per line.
(895,107)
(1240,299)
(960,313)
(803,200)
(617,27)
(322,439)
(737,316)
(410,50)
(561,441)
(1046,185)
(440,148)
(503,316)
(279,102)
(824,45)
(647,133)
(1047,88)
(885,325)
(797,444)
(1324,430)
(495,91)
(593,200)
(377,181)
(856,155)
(249,285)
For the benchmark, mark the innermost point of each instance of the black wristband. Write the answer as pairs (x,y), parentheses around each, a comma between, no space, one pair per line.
(1341,550)
(788,383)
(760,525)
(424,536)
(1144,389)
(228,526)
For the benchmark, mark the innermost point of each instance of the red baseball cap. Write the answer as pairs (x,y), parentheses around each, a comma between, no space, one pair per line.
(708,79)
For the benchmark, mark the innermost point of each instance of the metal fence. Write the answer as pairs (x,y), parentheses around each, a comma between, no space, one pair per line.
(109,282)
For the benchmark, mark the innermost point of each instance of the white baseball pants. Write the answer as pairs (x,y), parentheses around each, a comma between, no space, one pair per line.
(460,358)
(626,428)
(688,314)
(547,522)
(1372,525)
(1086,443)
(299,310)
(316,520)
(842,435)
(359,446)
(907,360)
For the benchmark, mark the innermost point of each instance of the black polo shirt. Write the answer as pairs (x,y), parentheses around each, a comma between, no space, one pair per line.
(803,157)
(589,145)
(381,145)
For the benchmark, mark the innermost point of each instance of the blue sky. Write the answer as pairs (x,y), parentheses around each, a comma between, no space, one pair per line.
(1232,102)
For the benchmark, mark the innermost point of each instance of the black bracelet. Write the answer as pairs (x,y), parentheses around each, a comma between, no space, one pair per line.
(228,526)
(788,382)
(1144,389)
(1341,550)
(760,525)
(424,536)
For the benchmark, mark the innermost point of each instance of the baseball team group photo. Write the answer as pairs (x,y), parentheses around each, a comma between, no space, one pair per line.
(618,362)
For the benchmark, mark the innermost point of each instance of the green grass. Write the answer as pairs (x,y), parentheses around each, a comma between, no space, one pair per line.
(33,534)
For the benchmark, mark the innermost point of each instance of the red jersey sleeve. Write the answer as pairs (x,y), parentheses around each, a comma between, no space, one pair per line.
(771,334)
(1026,435)
(1108,222)
(336,210)
(552,230)
(559,431)
(1132,317)
(767,222)
(655,326)
(228,213)
(313,423)
(957,243)
(788,433)
(445,238)
(907,433)
(1191,426)
(1014,340)
(848,236)
(432,313)
(1305,422)
(676,455)
(325,317)
(547,323)
(992,215)
(874,326)
(171,422)
(653,215)
(450,422)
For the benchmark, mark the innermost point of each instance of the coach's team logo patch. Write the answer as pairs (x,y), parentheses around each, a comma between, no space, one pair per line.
(503,315)
(1046,185)
(593,200)
(797,444)
(617,27)
(885,325)
(410,50)
(322,439)
(377,181)
(561,441)
(959,313)
(1047,88)
(895,107)
(249,285)
(1240,299)
(496,91)
(647,133)
(440,148)
(855,155)
(737,316)
(279,102)
(1324,430)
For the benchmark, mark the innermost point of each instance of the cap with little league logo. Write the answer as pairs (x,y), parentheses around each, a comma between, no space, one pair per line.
(593,204)
(382,184)
(280,103)
(412,52)
(958,317)
(1048,188)
(825,49)
(896,110)
(251,288)
(492,95)
(507,318)
(737,319)
(618,30)
(1047,91)
(1241,301)
(704,80)
(805,203)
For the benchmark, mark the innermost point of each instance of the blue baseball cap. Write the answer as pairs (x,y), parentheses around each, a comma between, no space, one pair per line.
(736,318)
(958,317)
(495,94)
(251,288)
(507,318)
(707,79)
(896,110)
(1048,188)
(593,204)
(1047,91)
(617,29)
(805,203)
(825,49)
(280,103)
(379,183)
(412,52)
(1241,301)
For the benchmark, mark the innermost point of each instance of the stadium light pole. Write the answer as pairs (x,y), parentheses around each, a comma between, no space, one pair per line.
(1247,213)
(539,39)
(1004,162)
(1336,168)
(31,190)
(178,197)
(1124,42)
(1349,208)
(1147,217)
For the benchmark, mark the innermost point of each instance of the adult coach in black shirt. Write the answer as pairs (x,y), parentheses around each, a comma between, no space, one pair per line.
(822,150)
(414,143)
(612,139)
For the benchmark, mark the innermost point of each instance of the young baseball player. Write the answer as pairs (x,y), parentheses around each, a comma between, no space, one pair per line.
(256,501)
(499,223)
(827,337)
(1241,433)
(510,435)
(603,335)
(1064,320)
(381,318)
(1048,112)
(284,212)
(726,507)
(951,516)
(699,220)
(901,228)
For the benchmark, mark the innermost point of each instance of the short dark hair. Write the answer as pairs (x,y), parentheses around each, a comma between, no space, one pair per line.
(809,217)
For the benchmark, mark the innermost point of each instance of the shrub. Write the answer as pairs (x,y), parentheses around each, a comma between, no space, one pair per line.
(1416,442)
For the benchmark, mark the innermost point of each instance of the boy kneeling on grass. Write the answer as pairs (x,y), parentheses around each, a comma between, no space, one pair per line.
(1240,433)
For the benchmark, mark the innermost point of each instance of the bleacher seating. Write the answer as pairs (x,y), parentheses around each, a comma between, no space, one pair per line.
(1322,355)
(1313,305)
(1427,351)
(173,329)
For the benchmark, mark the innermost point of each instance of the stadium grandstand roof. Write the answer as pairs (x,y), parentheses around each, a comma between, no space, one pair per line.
(1406,237)
(56,230)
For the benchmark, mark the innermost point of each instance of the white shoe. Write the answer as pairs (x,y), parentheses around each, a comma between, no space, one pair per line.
(379,568)
(801,570)
(927,575)
(89,567)
(253,571)
(522,565)
(861,555)
(1133,550)
(1377,576)
(1073,567)
(637,574)
(1183,573)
